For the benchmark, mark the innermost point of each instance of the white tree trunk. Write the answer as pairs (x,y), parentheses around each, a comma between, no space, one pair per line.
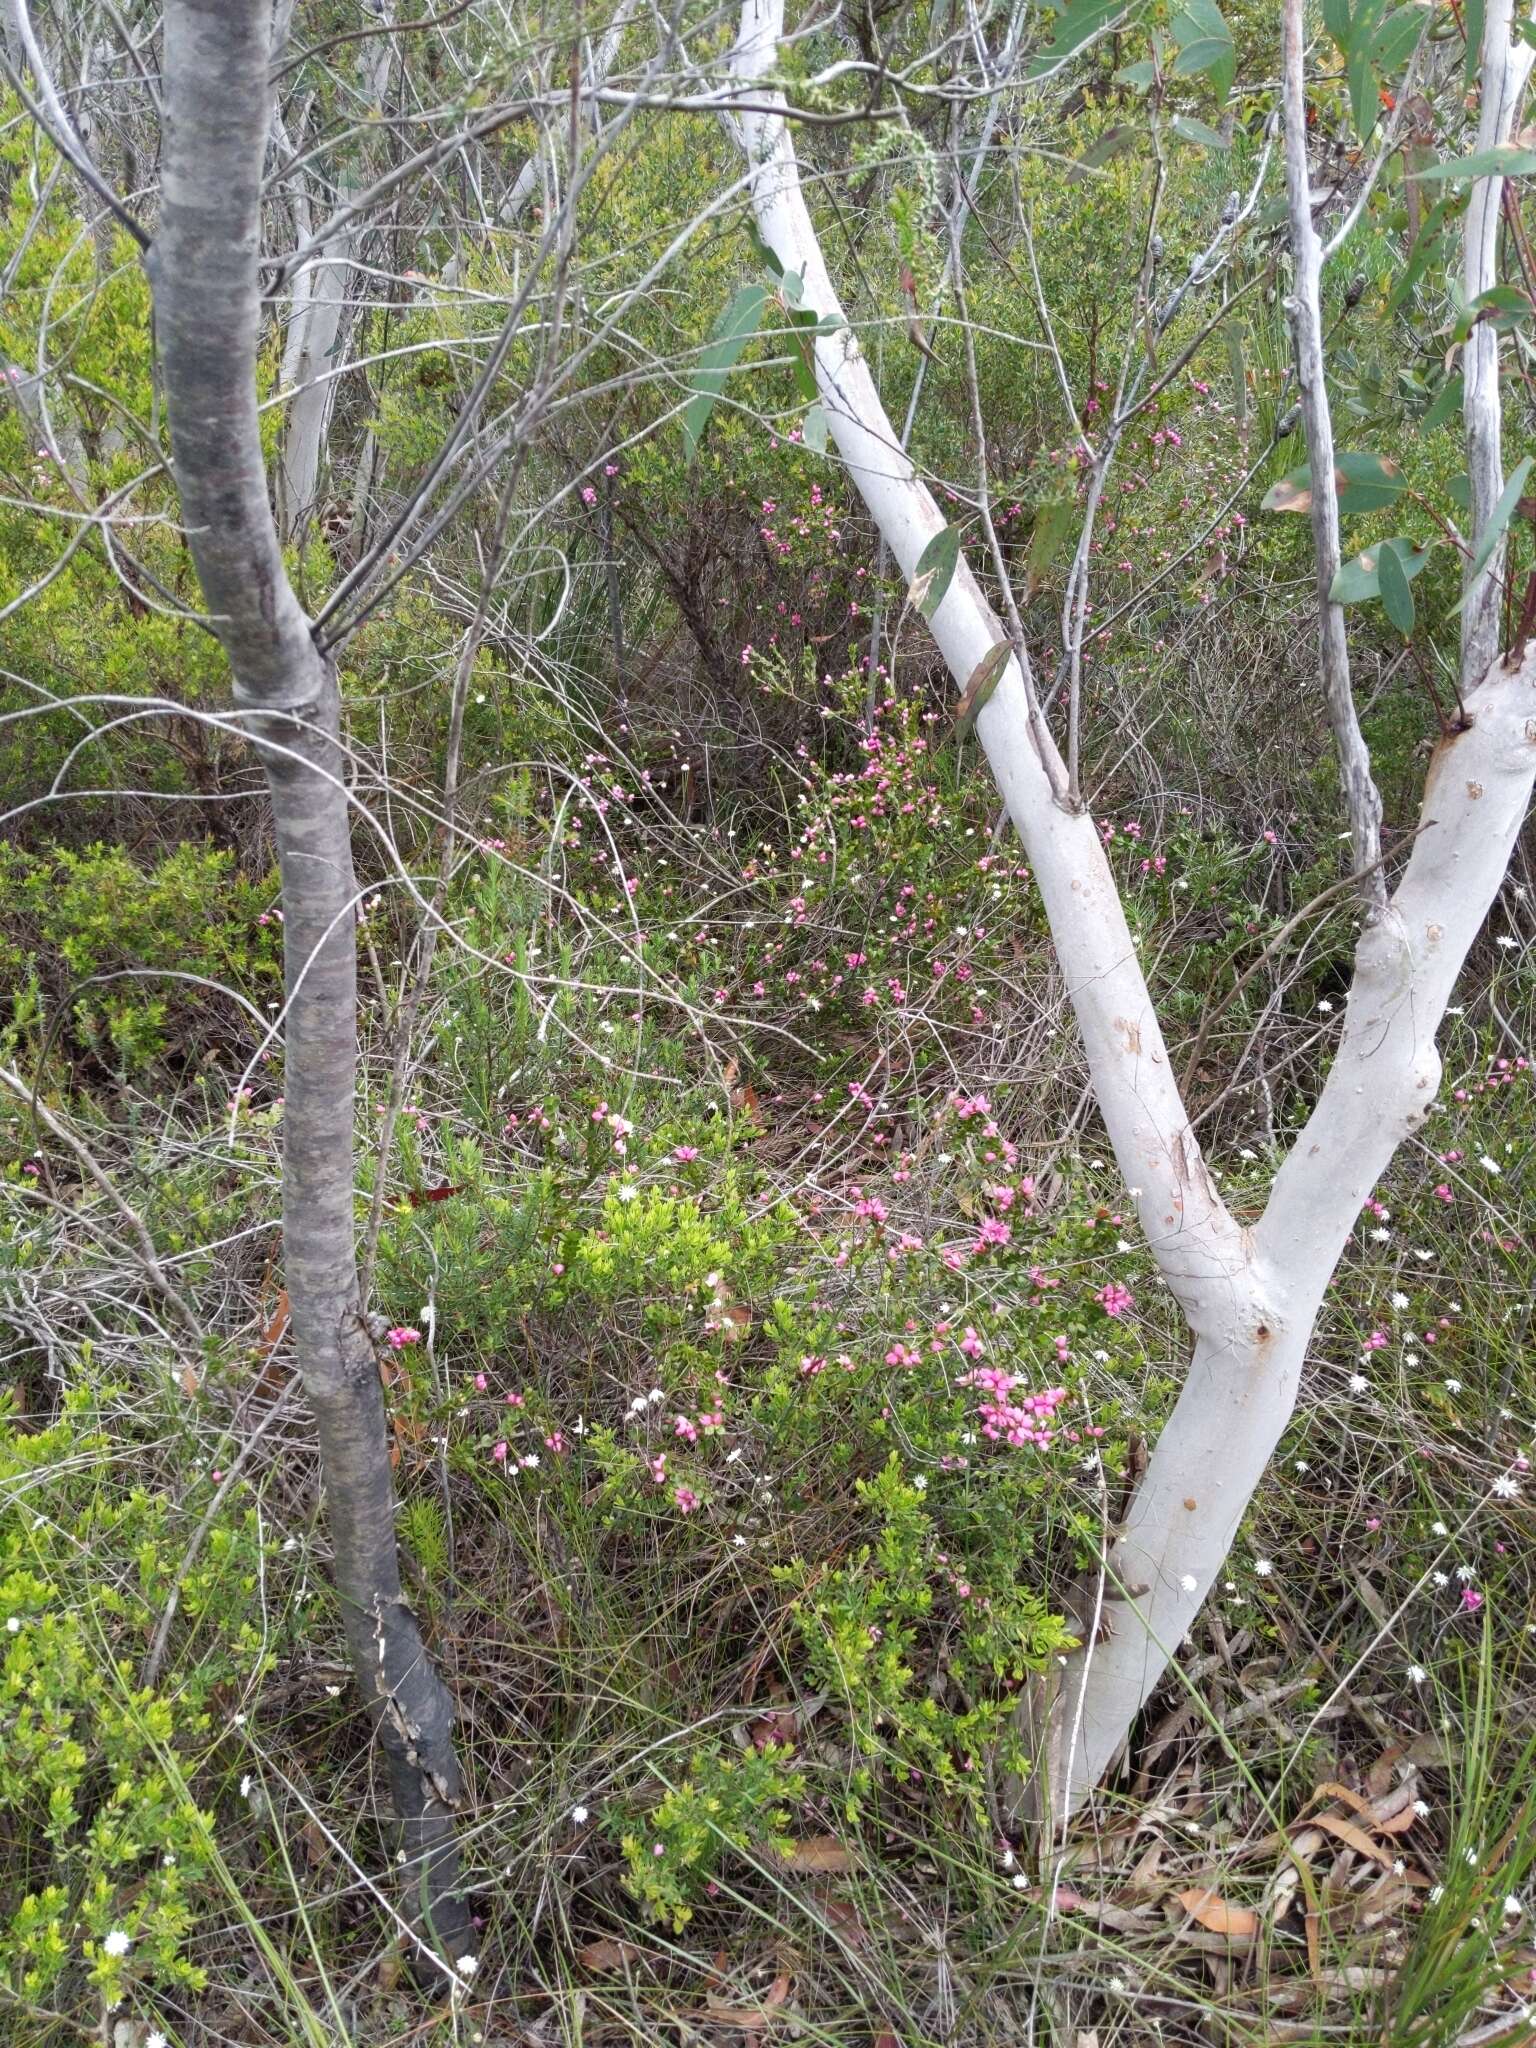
(1250,1296)
(315,330)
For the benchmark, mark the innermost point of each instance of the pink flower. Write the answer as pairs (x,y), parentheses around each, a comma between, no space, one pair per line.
(588,495)
(971,1344)
(400,1336)
(499,1453)
(1471,1600)
(1115,1299)
(687,1500)
(684,1153)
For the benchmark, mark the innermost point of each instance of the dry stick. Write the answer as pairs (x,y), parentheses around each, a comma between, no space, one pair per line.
(1323,896)
(1362,799)
(144,1244)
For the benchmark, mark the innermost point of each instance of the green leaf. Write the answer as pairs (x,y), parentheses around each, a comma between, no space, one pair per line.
(1112,143)
(1396,596)
(1336,21)
(1459,490)
(1502,307)
(734,329)
(1363,88)
(935,567)
(1139,77)
(1359,580)
(1365,483)
(1504,160)
(1197,132)
(1472,22)
(1205,45)
(984,679)
(1447,401)
(813,429)
(1398,37)
(1052,523)
(1499,518)
(1076,25)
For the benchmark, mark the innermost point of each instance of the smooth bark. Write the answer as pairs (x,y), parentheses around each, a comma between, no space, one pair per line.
(203,270)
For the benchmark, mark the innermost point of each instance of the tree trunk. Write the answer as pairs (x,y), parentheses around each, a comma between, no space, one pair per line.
(203,269)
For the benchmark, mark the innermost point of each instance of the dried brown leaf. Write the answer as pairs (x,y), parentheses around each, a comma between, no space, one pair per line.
(1218,1916)
(820,1852)
(609,1954)
(1355,1838)
(751,2019)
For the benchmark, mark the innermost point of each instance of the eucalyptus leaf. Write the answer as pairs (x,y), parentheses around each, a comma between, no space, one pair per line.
(1198,132)
(1359,580)
(934,572)
(734,329)
(813,429)
(1503,160)
(1396,596)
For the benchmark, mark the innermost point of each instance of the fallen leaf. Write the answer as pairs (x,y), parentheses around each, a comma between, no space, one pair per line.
(820,1852)
(751,2019)
(1239,1923)
(847,1924)
(277,1325)
(1357,1839)
(609,1955)
(188,1380)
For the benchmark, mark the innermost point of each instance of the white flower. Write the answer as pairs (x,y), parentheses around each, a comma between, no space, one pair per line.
(1506,1487)
(1436,1894)
(1008,1859)
(1325,1006)
(1439,1579)
(156,2040)
(1492,1165)
(1417,1674)
(115,1943)
(467,1965)
(1020,1882)
(920,1484)
(13,1624)
(1381,1237)
(1471,1857)
(1465,1572)
(245,1785)
(1505,940)
(1358,1383)
(1452,1386)
(627,1193)
(1189,1582)
(1302,1465)
(1263,1567)
(1513,1907)
(579,1814)
(1438,1529)
(1399,1300)
(1421,1808)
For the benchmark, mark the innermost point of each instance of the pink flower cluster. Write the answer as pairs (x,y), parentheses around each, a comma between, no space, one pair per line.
(1004,1419)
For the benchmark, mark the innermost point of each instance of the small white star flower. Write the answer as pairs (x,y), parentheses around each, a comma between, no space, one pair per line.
(467,1965)
(1189,1582)
(579,1814)
(1020,1882)
(1417,1674)
(115,1943)
(1513,1907)
(1399,1300)
(1506,1487)
(1452,1386)
(1438,1529)
(156,2040)
(1421,1808)
(1358,1383)
(1263,1566)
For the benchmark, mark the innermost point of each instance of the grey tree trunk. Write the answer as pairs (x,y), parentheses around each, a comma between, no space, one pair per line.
(203,269)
